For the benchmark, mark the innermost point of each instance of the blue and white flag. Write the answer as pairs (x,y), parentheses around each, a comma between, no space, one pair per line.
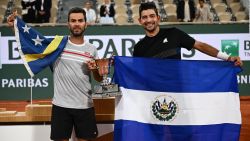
(176,100)
(36,51)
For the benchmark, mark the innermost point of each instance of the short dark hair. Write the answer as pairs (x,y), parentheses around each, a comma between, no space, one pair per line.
(77,10)
(146,6)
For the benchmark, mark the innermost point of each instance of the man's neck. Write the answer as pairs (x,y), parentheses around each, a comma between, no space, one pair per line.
(76,40)
(153,33)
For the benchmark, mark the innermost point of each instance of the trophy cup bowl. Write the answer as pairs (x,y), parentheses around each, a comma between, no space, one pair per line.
(103,66)
(107,87)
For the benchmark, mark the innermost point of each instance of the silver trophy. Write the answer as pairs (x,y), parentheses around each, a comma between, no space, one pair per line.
(107,88)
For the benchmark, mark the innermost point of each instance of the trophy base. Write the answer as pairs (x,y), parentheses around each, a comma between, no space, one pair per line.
(110,90)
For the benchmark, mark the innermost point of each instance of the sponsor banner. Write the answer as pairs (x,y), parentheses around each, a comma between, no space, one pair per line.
(106,45)
(15,82)
(122,45)
(232,44)
(9,51)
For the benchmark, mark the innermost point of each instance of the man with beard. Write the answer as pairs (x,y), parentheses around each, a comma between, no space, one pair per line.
(167,43)
(72,101)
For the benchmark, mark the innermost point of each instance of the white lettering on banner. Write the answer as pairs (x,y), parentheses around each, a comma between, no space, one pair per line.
(4,82)
(122,45)
(21,83)
(243,79)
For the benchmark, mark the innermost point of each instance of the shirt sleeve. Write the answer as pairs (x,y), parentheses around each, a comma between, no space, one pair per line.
(135,52)
(186,41)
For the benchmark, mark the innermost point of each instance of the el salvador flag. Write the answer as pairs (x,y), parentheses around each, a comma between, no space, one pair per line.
(36,51)
(176,100)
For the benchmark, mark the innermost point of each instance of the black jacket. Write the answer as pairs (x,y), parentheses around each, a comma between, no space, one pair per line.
(46,6)
(111,11)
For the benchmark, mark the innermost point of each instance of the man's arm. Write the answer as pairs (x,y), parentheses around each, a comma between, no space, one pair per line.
(206,48)
(11,19)
(209,50)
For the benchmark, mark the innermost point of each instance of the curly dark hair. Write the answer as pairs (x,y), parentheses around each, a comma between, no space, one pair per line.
(146,6)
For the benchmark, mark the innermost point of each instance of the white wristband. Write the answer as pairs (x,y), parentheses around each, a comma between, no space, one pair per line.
(222,55)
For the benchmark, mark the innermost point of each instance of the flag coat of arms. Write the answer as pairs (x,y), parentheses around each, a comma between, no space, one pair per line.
(176,100)
(36,51)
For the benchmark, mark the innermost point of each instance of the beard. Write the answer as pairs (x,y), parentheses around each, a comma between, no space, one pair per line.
(150,28)
(77,32)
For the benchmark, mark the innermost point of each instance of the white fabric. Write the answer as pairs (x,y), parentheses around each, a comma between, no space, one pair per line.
(106,20)
(186,11)
(193,108)
(90,15)
(204,14)
(42,5)
(222,55)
